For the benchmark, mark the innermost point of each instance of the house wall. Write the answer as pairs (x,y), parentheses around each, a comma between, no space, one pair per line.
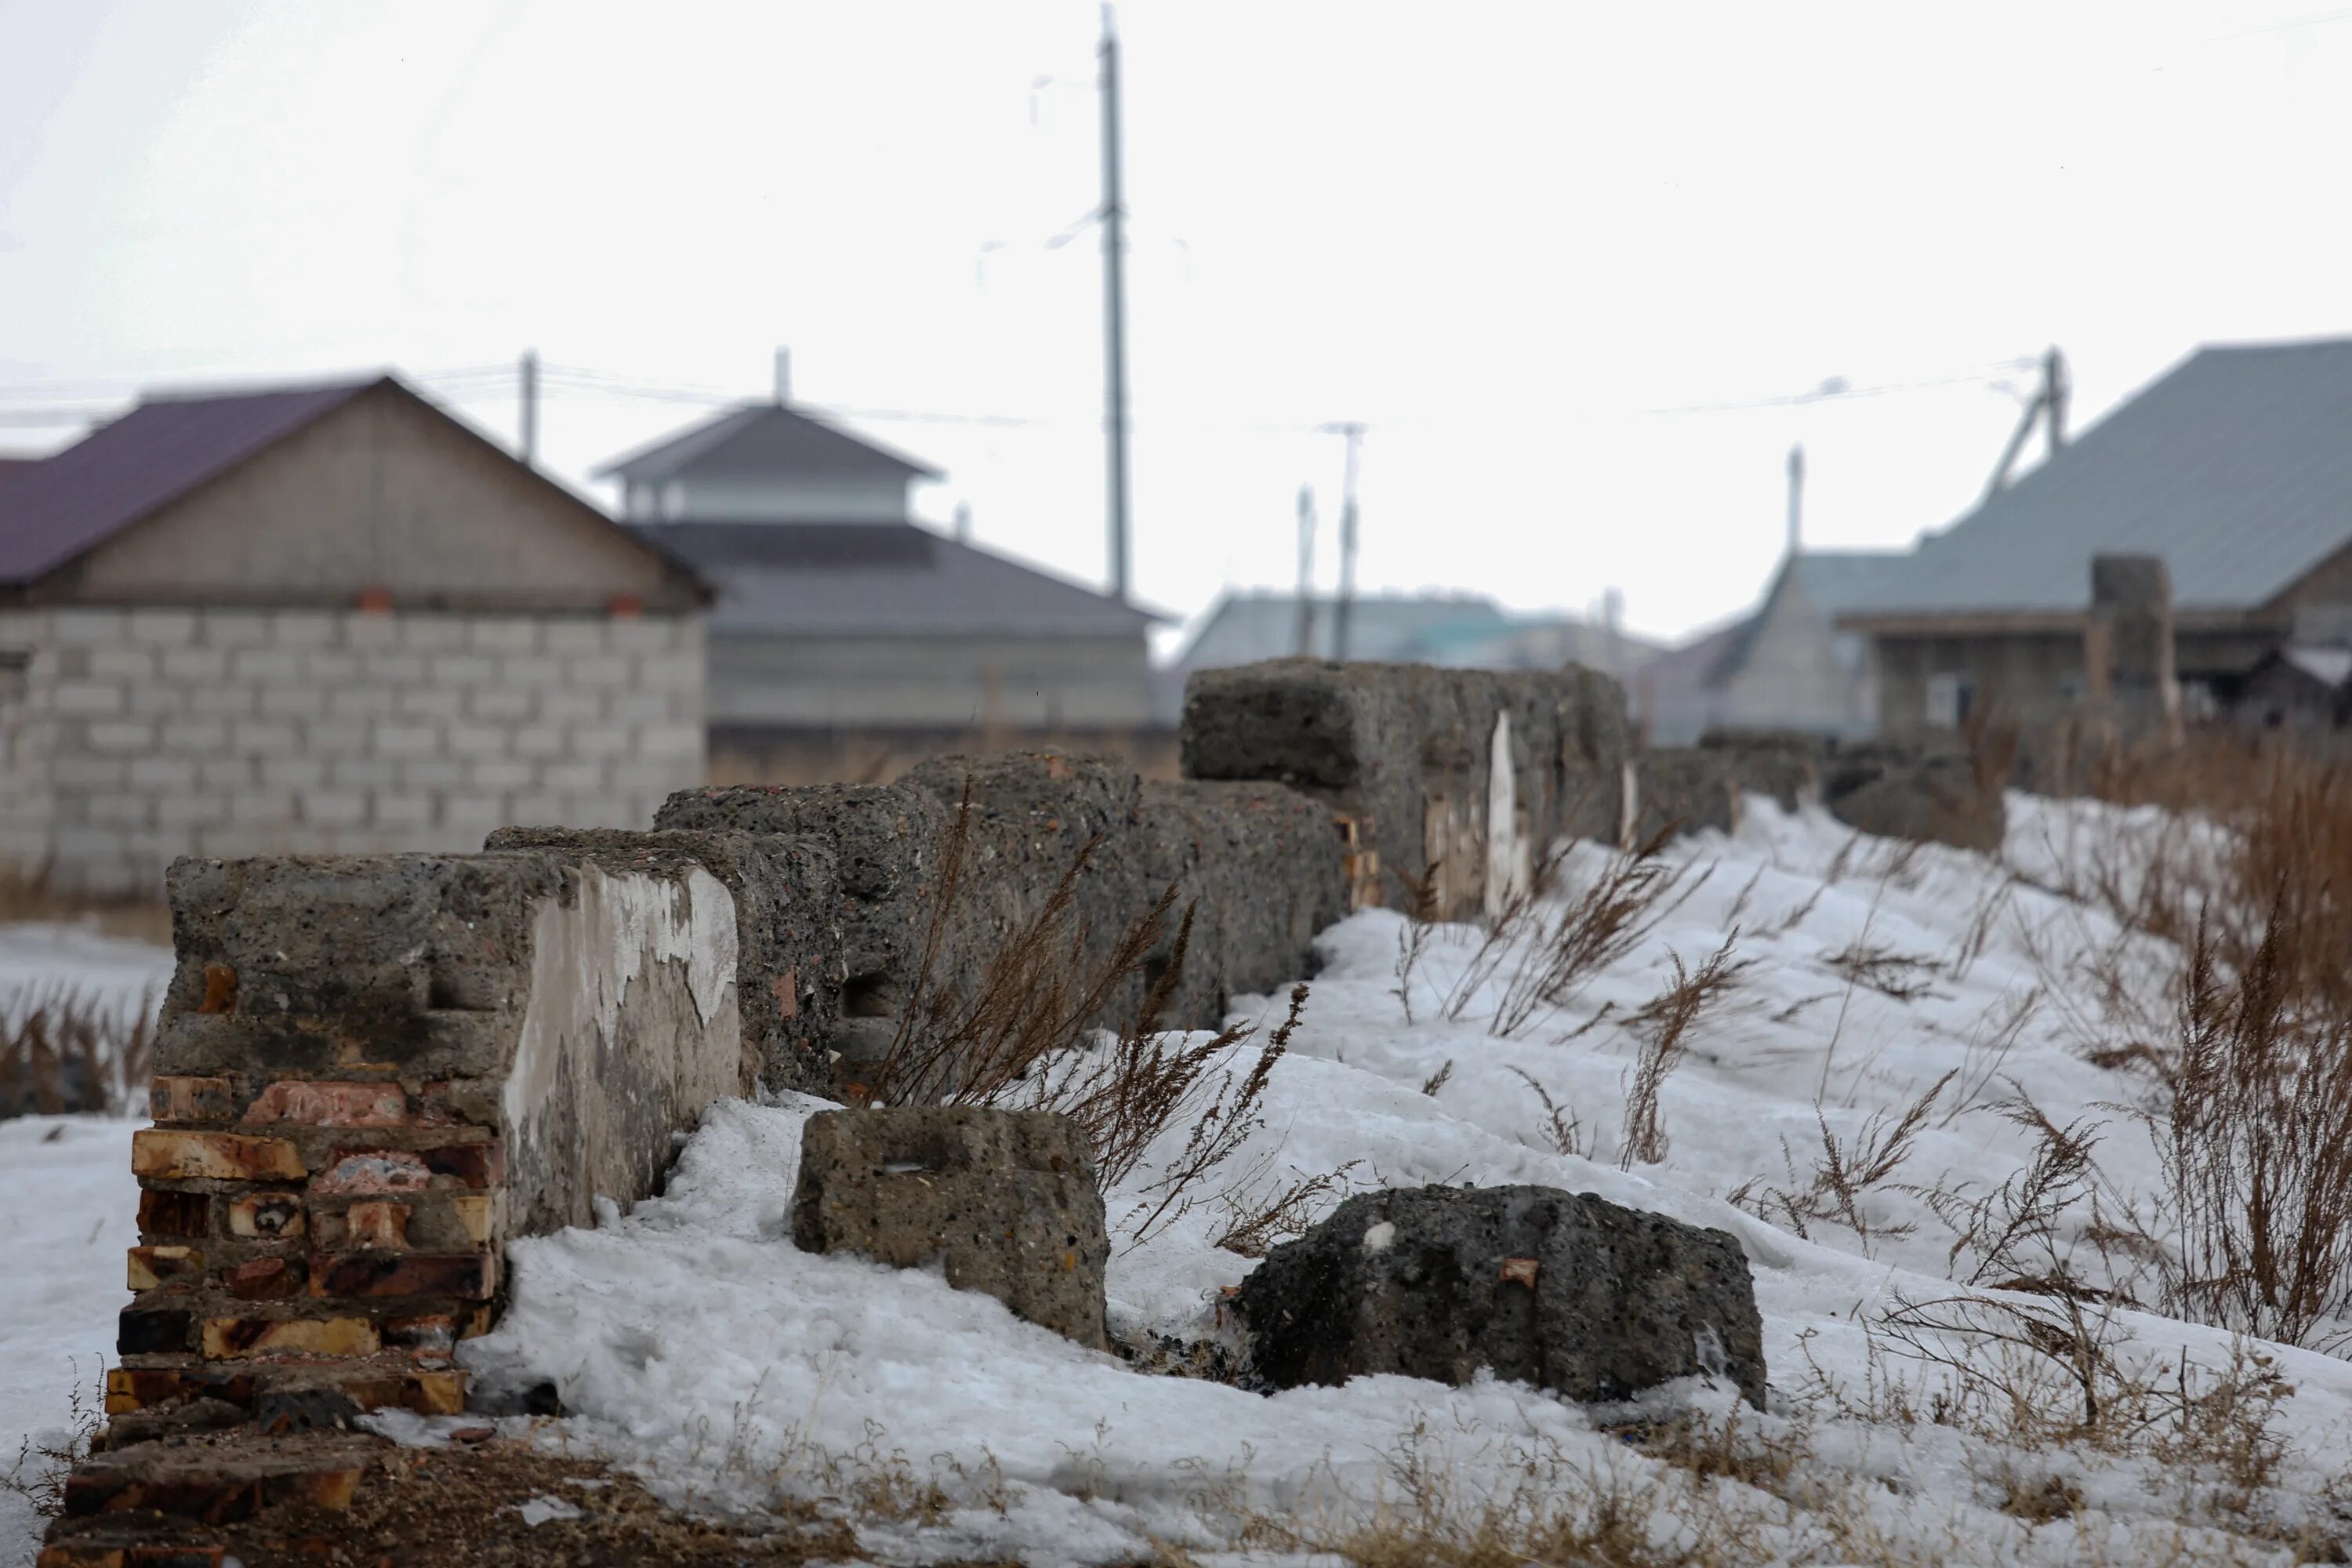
(1800,673)
(145,734)
(770,501)
(895,682)
(2023,675)
(381,493)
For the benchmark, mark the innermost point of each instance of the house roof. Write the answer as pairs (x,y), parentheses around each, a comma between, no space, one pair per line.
(763,440)
(1834,583)
(61,507)
(2235,467)
(1245,627)
(847,579)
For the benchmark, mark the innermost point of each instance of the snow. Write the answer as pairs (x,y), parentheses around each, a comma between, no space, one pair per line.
(690,1341)
(72,1211)
(693,1343)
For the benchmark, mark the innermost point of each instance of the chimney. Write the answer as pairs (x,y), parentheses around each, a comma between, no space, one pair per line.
(783,377)
(1796,497)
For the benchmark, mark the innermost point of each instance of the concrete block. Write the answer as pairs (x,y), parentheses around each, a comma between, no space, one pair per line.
(571,707)
(291,773)
(361,702)
(227,698)
(195,737)
(295,701)
(433,775)
(88,698)
(162,772)
(516,634)
(266,739)
(232,629)
(649,634)
(267,667)
(599,672)
(598,741)
(165,628)
(504,703)
(537,673)
(391,739)
(333,808)
(398,669)
(465,670)
(575,637)
(433,703)
(91,628)
(1004,1201)
(194,666)
(433,634)
(190,807)
(120,736)
(232,775)
(127,662)
(475,738)
(307,628)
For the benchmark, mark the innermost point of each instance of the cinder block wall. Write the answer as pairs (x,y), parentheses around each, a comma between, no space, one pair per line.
(140,736)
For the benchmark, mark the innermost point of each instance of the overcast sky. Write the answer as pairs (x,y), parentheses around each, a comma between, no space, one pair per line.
(1522,242)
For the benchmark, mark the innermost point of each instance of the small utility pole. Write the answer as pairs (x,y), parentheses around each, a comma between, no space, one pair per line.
(1114,222)
(1347,606)
(2055,391)
(528,441)
(1306,571)
(1796,498)
(2048,404)
(783,377)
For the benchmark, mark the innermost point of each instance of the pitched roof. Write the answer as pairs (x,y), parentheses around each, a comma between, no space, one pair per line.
(1245,627)
(1834,583)
(763,440)
(66,504)
(881,578)
(2235,467)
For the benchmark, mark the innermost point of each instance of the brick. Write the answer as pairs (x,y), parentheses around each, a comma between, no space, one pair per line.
(120,736)
(460,1101)
(264,1279)
(266,1217)
(285,702)
(194,737)
(267,665)
(163,1267)
(228,1338)
(516,634)
(472,1212)
(582,637)
(469,1276)
(233,628)
(433,1334)
(164,1212)
(419,701)
(376,1225)
(432,634)
(399,739)
(88,698)
(316,1104)
(128,663)
(136,1388)
(464,669)
(150,1330)
(438,1392)
(176,1099)
(196,666)
(162,772)
(213,1156)
(331,808)
(220,989)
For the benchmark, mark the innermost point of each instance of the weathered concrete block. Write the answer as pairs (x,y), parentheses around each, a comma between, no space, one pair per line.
(1898,792)
(1562,1290)
(1785,764)
(1686,789)
(1412,750)
(1005,1200)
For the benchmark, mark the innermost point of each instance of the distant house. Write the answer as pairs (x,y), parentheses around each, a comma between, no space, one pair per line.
(848,639)
(2234,469)
(1463,631)
(1786,666)
(323,618)
(2299,688)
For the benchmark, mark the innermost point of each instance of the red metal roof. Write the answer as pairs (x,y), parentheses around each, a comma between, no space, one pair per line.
(65,505)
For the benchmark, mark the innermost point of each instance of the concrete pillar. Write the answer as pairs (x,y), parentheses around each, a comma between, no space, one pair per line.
(2131,612)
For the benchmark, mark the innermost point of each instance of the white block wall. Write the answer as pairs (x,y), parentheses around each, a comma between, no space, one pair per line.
(138,736)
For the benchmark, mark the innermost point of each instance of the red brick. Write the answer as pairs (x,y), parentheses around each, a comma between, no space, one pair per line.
(135,1388)
(143,1329)
(437,1333)
(266,1217)
(460,1102)
(318,1104)
(215,1156)
(383,1172)
(376,1225)
(220,989)
(171,1098)
(470,1276)
(162,1213)
(264,1279)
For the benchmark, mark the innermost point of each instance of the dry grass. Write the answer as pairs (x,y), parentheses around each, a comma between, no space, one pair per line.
(1836,1186)
(32,896)
(1024,1036)
(38,1472)
(1663,1026)
(65,1051)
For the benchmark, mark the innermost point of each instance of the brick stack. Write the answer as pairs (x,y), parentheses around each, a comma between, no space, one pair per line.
(308,1236)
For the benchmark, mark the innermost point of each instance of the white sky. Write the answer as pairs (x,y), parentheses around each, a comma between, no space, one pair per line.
(1501,235)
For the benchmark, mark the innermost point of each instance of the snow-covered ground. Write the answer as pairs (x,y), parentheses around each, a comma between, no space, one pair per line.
(72,1211)
(690,1340)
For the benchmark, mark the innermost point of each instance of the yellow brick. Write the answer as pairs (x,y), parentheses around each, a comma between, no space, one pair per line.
(228,1337)
(440,1392)
(473,1213)
(213,1156)
(150,1266)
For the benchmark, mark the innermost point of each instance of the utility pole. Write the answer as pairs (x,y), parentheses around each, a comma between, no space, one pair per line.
(783,377)
(1114,220)
(1796,498)
(1306,571)
(2047,404)
(528,441)
(1346,610)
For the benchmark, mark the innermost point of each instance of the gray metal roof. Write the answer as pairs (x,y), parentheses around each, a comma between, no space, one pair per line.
(2235,467)
(850,579)
(763,440)
(1832,582)
(1243,628)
